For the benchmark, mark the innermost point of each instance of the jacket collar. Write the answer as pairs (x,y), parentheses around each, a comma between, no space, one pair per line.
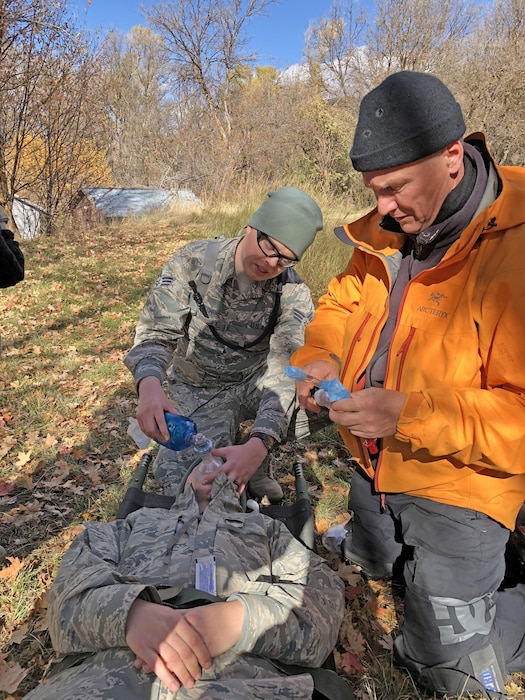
(501,207)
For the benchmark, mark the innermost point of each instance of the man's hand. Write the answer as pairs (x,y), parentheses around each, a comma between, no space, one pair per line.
(150,410)
(166,643)
(320,370)
(369,413)
(240,462)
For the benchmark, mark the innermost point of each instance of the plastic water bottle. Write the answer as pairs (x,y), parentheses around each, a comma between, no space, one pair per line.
(182,432)
(202,446)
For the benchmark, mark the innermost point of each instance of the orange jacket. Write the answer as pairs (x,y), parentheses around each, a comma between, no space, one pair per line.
(457,351)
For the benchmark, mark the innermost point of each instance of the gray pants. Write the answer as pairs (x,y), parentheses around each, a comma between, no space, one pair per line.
(218,413)
(453,562)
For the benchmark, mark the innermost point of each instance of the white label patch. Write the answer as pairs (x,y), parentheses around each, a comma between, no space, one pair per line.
(205,575)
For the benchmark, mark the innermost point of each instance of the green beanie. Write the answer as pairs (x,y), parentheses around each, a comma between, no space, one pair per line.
(291,217)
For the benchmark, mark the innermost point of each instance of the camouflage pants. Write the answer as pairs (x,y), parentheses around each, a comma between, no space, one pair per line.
(218,413)
(110,675)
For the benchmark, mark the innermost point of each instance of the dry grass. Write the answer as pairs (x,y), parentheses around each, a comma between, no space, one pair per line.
(65,398)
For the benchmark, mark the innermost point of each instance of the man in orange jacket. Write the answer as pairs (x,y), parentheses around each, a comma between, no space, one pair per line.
(426,330)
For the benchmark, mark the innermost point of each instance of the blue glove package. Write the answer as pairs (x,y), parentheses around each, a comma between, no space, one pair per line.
(333,388)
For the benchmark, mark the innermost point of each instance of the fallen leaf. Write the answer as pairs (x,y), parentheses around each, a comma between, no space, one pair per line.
(340,463)
(24,481)
(387,642)
(353,592)
(350,637)
(18,519)
(11,677)
(7,443)
(19,635)
(90,468)
(23,458)
(41,624)
(5,488)
(512,689)
(350,574)
(11,571)
(32,437)
(351,662)
(50,440)
(42,602)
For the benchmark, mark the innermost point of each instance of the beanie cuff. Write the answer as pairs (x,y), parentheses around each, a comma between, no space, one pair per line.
(409,150)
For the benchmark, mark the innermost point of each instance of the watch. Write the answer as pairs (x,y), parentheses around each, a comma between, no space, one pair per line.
(267,440)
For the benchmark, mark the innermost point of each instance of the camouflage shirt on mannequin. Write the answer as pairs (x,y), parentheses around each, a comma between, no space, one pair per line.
(293,601)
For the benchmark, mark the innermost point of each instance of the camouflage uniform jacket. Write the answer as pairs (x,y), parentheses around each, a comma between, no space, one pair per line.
(173,330)
(293,601)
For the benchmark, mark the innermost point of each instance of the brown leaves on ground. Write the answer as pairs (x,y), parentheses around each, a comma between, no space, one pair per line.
(65,457)
(371,616)
(11,676)
(11,571)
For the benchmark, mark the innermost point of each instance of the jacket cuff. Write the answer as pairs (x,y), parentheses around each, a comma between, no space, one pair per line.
(147,372)
(257,607)
(105,612)
(263,427)
(306,355)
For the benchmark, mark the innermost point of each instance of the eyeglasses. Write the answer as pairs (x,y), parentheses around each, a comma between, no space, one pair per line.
(270,251)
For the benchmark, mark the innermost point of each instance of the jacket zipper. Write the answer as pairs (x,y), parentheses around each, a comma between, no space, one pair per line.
(403,350)
(369,443)
(355,340)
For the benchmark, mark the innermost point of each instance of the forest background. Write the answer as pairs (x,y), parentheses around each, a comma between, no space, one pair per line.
(178,103)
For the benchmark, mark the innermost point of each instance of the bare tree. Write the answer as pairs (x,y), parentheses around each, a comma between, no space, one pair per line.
(68,124)
(491,84)
(205,42)
(335,45)
(42,57)
(418,34)
(138,107)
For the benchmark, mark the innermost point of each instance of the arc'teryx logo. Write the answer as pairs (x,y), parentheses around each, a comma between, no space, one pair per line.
(434,298)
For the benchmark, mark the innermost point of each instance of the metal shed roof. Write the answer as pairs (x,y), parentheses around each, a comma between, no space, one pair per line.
(120,202)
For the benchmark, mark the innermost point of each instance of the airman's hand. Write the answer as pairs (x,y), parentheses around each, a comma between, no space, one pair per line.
(240,462)
(150,410)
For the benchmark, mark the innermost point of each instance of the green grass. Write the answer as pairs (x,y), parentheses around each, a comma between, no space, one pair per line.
(65,399)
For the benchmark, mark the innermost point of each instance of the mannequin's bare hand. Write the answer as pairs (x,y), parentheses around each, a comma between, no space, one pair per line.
(166,643)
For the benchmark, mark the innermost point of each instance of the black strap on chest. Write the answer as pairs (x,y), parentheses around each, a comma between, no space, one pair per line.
(200,287)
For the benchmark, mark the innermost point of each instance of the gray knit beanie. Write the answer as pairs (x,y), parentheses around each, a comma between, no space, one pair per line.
(408,116)
(290,216)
